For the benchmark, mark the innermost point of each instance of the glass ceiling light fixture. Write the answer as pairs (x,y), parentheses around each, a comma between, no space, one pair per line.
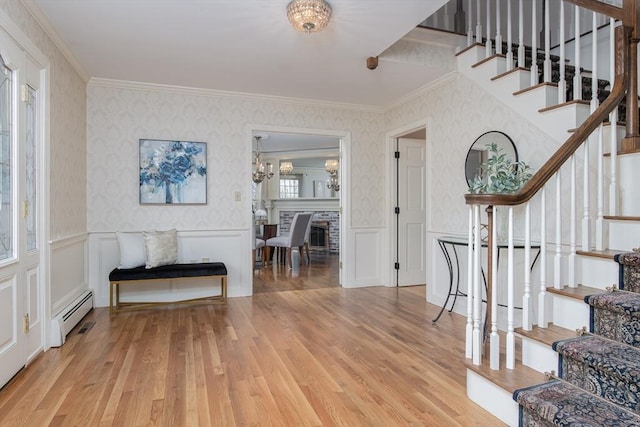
(309,16)
(286,168)
(332,166)
(260,171)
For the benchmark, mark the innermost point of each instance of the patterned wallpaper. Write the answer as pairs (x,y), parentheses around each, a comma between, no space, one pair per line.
(119,116)
(68,130)
(459,112)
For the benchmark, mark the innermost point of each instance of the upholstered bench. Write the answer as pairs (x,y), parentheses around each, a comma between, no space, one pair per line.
(166,272)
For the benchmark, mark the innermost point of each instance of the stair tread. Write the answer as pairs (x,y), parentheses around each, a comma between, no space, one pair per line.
(508,379)
(576,293)
(547,335)
(554,400)
(605,253)
(622,218)
(594,350)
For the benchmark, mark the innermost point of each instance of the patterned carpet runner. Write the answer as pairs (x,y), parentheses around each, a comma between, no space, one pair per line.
(616,315)
(558,403)
(606,368)
(600,374)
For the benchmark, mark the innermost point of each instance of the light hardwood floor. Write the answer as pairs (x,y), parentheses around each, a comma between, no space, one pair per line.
(320,272)
(319,357)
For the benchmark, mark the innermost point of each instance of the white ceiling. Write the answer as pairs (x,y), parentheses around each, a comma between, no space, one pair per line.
(242,45)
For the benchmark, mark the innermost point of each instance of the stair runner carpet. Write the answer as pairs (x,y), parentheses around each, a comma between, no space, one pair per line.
(558,403)
(606,368)
(616,315)
(599,374)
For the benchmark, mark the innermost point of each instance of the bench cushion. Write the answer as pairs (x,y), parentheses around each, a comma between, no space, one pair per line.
(168,271)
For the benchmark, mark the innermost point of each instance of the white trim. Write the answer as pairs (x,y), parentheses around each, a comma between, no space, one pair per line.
(183,90)
(68,240)
(22,40)
(41,19)
(344,194)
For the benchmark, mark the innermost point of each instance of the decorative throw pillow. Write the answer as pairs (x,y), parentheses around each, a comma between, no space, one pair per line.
(161,247)
(131,249)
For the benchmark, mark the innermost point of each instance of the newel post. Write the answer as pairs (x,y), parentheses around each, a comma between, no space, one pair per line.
(631,141)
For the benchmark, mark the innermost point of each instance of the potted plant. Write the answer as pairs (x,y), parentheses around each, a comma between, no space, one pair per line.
(499,174)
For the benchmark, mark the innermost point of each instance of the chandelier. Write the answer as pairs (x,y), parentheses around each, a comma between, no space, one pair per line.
(332,166)
(286,168)
(309,15)
(261,170)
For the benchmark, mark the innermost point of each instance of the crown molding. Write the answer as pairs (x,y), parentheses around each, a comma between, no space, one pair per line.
(440,81)
(182,90)
(37,14)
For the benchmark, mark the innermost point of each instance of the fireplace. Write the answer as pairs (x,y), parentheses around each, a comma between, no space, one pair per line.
(319,235)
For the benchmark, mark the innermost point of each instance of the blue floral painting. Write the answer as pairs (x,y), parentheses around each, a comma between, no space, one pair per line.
(173,172)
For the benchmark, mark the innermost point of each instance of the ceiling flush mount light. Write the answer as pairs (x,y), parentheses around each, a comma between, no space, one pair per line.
(260,171)
(286,168)
(309,16)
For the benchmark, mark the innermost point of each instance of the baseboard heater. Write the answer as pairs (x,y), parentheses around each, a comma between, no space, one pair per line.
(69,317)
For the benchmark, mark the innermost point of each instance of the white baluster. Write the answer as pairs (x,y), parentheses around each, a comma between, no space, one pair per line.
(470,20)
(571,273)
(527,304)
(478,23)
(557,260)
(468,352)
(488,47)
(543,319)
(586,199)
(562,83)
(509,51)
(534,43)
(498,34)
(494,362)
(613,118)
(577,78)
(547,44)
(600,192)
(511,341)
(594,62)
(478,327)
(520,34)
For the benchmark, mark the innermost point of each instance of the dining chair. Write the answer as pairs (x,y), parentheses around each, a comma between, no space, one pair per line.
(294,238)
(307,235)
(257,244)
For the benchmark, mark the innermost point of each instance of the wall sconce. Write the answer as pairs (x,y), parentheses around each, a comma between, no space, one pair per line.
(332,167)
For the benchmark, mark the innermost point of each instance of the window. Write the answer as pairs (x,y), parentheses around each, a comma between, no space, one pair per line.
(289,188)
(6,164)
(31,150)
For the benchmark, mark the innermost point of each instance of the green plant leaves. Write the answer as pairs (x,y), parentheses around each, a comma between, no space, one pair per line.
(499,174)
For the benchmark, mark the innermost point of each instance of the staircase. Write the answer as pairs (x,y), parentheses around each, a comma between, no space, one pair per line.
(585,213)
(598,371)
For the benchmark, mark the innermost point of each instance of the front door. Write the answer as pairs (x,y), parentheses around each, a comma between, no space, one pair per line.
(21,296)
(411,212)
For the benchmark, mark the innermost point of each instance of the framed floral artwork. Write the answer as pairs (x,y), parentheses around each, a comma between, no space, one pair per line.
(173,172)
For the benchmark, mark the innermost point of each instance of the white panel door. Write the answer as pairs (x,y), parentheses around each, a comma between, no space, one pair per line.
(21,295)
(412,217)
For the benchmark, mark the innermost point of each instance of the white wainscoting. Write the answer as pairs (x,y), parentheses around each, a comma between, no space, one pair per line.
(68,270)
(363,260)
(230,247)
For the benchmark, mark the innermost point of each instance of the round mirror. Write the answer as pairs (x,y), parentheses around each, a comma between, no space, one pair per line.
(479,154)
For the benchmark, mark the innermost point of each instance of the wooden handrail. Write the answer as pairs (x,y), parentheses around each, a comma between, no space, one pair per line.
(566,150)
(610,10)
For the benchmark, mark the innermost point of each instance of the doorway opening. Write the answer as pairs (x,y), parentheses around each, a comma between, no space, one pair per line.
(304,173)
